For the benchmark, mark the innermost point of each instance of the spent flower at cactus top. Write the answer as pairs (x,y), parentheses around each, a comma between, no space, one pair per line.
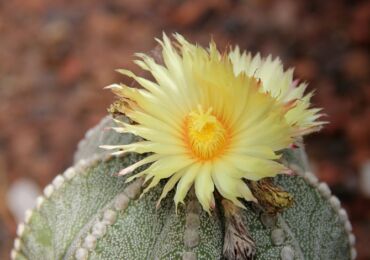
(209,119)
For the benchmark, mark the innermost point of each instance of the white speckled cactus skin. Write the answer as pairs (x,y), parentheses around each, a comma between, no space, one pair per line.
(86,213)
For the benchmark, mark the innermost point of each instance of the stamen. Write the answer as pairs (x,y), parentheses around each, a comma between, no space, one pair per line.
(204,134)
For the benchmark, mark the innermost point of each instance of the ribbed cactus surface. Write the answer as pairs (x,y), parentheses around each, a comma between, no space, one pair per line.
(88,213)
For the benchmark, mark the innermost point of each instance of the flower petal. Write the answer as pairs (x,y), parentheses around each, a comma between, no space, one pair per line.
(132,167)
(232,188)
(148,147)
(170,184)
(185,183)
(204,187)
(166,166)
(255,168)
(264,151)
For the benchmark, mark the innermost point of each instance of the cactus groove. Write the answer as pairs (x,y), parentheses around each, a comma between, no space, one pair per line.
(87,213)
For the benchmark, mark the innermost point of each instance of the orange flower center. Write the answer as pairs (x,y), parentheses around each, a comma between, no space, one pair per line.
(204,134)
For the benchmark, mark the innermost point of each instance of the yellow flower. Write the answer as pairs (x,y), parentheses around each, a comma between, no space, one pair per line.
(203,124)
(281,85)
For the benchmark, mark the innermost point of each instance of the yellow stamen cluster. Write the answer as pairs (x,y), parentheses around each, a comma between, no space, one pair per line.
(205,135)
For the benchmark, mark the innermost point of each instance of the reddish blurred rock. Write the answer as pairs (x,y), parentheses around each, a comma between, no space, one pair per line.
(56,40)
(70,71)
(356,65)
(188,13)
(361,230)
(284,14)
(358,132)
(330,173)
(305,69)
(107,27)
(359,27)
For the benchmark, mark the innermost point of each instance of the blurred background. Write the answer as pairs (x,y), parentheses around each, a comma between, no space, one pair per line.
(56,56)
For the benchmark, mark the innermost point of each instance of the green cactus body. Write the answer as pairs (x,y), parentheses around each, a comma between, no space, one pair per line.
(88,213)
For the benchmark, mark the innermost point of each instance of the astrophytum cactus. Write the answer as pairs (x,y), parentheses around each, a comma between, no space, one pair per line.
(89,213)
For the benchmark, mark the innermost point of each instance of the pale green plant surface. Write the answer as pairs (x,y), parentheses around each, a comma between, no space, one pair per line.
(314,228)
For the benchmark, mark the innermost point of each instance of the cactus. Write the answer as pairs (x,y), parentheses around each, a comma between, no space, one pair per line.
(88,213)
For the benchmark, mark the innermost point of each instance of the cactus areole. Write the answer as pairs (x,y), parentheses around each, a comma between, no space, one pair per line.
(207,163)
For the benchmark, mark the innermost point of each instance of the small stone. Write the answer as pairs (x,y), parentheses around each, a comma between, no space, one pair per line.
(49,189)
(121,202)
(268,220)
(20,229)
(191,238)
(192,221)
(334,201)
(353,253)
(58,181)
(189,256)
(324,189)
(39,201)
(278,236)
(109,216)
(287,253)
(90,242)
(99,229)
(69,173)
(81,254)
